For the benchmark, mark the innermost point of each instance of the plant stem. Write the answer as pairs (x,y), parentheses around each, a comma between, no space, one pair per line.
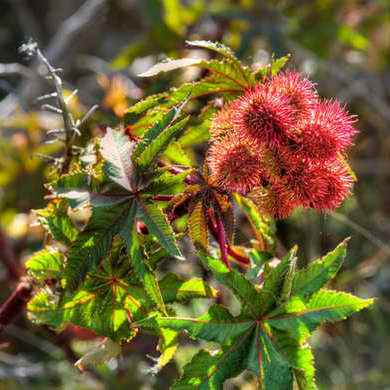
(16,303)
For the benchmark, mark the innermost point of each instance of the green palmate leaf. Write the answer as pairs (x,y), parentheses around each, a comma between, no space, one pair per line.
(158,226)
(107,212)
(105,309)
(94,243)
(146,104)
(57,222)
(117,150)
(300,358)
(227,69)
(242,288)
(139,261)
(85,254)
(300,319)
(209,371)
(176,154)
(198,132)
(216,325)
(227,54)
(103,208)
(319,272)
(197,227)
(276,372)
(213,84)
(70,181)
(165,182)
(45,264)
(175,289)
(148,138)
(158,145)
(271,292)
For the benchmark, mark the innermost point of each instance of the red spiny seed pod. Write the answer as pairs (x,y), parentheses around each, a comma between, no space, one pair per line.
(329,131)
(300,92)
(263,116)
(222,122)
(235,165)
(321,185)
(337,184)
(274,200)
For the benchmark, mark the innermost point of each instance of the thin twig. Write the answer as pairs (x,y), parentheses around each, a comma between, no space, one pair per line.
(69,125)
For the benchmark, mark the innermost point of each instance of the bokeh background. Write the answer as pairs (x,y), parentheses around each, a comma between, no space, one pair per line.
(342,45)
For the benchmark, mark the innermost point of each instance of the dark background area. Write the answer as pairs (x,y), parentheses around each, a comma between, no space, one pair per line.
(342,45)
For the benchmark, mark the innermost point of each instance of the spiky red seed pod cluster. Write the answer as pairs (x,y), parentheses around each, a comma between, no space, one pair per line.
(282,145)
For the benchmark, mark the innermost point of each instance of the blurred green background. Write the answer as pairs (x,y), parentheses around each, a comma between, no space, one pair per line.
(342,45)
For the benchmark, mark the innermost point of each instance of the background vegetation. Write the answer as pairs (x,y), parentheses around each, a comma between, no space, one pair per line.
(343,45)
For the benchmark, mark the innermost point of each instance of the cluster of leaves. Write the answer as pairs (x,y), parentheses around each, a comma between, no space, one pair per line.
(117,215)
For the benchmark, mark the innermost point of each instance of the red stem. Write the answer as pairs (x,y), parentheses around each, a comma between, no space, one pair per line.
(16,303)
(163,198)
(243,261)
(221,239)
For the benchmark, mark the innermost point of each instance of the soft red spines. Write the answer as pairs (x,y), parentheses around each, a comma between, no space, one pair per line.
(263,115)
(275,200)
(222,122)
(234,165)
(299,91)
(336,183)
(329,131)
(280,145)
(320,185)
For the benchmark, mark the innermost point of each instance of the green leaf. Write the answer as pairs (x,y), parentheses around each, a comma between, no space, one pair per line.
(263,226)
(168,345)
(229,69)
(273,68)
(271,291)
(216,325)
(276,373)
(175,289)
(56,221)
(176,154)
(157,223)
(228,54)
(148,138)
(300,358)
(146,104)
(197,227)
(45,264)
(209,371)
(300,319)
(104,310)
(165,182)
(139,262)
(207,86)
(116,149)
(170,65)
(278,64)
(85,254)
(242,288)
(70,181)
(319,272)
(99,354)
(158,145)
